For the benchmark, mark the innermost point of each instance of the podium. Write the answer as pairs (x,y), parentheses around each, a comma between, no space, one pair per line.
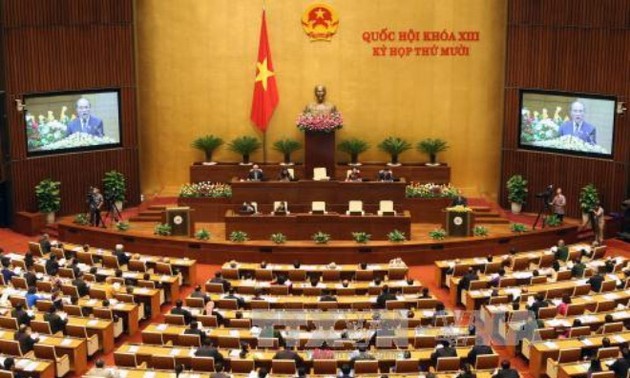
(179,220)
(319,151)
(459,223)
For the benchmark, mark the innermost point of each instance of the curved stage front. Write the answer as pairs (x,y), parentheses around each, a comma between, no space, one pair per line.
(341,252)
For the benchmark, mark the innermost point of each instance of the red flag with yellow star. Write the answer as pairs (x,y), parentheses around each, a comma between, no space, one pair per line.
(265,89)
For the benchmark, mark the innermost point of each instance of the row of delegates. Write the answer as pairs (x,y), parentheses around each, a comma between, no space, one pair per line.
(384,175)
(354,175)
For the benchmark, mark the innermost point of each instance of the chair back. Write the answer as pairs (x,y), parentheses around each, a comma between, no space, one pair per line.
(547,312)
(569,355)
(229,342)
(579,331)
(123,359)
(125,298)
(155,338)
(447,364)
(45,286)
(70,290)
(163,268)
(241,323)
(563,275)
(366,367)
(8,322)
(208,320)
(613,327)
(318,207)
(202,364)
(520,263)
(137,266)
(385,207)
(110,261)
(605,306)
(241,365)
(611,352)
(283,367)
(76,331)
(73,310)
(608,286)
(174,319)
(163,362)
(19,282)
(263,275)
(229,304)
(257,304)
(41,327)
(355,207)
(581,290)
(324,366)
(36,249)
(195,302)
(606,374)
(189,340)
(46,352)
(214,287)
(487,361)
(103,313)
(576,309)
(11,347)
(66,273)
(407,366)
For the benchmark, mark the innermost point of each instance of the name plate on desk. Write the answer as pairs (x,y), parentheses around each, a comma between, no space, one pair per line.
(355,213)
(389,213)
(279,213)
(318,212)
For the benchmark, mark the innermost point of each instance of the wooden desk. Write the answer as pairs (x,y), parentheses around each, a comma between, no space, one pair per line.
(541,351)
(130,313)
(104,329)
(306,191)
(345,270)
(303,226)
(297,288)
(30,367)
(141,295)
(170,283)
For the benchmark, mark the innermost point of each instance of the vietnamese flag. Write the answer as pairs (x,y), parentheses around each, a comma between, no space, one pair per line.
(265,89)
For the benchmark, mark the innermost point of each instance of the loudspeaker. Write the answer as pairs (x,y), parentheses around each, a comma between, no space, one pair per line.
(5,220)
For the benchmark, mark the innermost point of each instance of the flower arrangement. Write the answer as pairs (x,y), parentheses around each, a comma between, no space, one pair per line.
(278,238)
(205,189)
(81,219)
(396,236)
(324,123)
(123,226)
(43,131)
(202,234)
(518,228)
(437,234)
(361,237)
(162,229)
(480,231)
(430,190)
(321,238)
(460,209)
(239,236)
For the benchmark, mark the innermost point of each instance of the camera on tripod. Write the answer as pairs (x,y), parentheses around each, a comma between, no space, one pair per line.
(546,194)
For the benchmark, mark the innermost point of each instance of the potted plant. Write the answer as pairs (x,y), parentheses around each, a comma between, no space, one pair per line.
(517,192)
(589,197)
(438,234)
(115,188)
(361,237)
(321,237)
(162,229)
(394,146)
(396,236)
(207,144)
(48,195)
(431,147)
(202,234)
(353,147)
(123,226)
(518,228)
(278,238)
(238,236)
(287,147)
(245,146)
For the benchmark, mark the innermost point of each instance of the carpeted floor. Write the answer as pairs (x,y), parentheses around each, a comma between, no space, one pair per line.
(13,242)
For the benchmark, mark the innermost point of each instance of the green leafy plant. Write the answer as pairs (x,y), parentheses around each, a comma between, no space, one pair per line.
(162,229)
(114,186)
(480,231)
(278,238)
(518,228)
(432,147)
(208,144)
(287,146)
(81,219)
(361,237)
(245,146)
(239,236)
(553,221)
(48,193)
(123,226)
(321,238)
(589,197)
(353,147)
(438,234)
(394,146)
(517,189)
(202,234)
(396,236)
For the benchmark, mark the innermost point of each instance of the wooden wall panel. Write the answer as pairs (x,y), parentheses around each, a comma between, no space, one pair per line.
(69,45)
(574,46)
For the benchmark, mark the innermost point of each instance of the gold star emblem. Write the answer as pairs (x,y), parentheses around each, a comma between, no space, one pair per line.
(263,73)
(320,13)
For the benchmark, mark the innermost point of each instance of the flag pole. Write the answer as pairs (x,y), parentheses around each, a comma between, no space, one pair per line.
(264,146)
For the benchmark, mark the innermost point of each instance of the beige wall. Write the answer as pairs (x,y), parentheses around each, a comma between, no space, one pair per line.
(196,65)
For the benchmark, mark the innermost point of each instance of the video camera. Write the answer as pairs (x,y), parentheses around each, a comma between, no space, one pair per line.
(547,193)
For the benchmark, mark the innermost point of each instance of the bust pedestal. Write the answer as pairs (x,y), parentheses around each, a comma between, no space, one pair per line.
(319,151)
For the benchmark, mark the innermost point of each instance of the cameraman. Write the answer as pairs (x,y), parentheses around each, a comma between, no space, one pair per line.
(559,204)
(96,202)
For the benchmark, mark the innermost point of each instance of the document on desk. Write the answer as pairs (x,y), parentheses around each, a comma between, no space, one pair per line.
(551,345)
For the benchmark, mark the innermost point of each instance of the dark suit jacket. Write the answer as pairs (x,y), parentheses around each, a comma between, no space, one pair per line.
(240,302)
(506,373)
(26,342)
(620,367)
(202,334)
(31,279)
(82,287)
(382,299)
(205,351)
(52,267)
(56,323)
(578,270)
(478,350)
(94,126)
(46,246)
(442,352)
(384,175)
(182,311)
(226,284)
(122,257)
(596,282)
(287,354)
(587,132)
(255,174)
(7,274)
(562,253)
(328,298)
(21,316)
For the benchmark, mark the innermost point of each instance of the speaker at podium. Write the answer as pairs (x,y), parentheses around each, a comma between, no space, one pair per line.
(179,220)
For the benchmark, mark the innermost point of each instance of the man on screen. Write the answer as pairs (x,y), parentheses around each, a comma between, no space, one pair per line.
(85,122)
(577,126)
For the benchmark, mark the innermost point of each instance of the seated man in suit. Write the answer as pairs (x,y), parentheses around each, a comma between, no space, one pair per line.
(444,349)
(288,354)
(247,209)
(208,350)
(25,338)
(20,314)
(281,208)
(479,349)
(44,243)
(539,303)
(386,175)
(327,297)
(7,273)
(57,324)
(562,251)
(596,282)
(179,310)
(354,175)
(459,200)
(386,295)
(506,371)
(240,302)
(52,265)
(82,287)
(218,279)
(194,330)
(121,255)
(255,174)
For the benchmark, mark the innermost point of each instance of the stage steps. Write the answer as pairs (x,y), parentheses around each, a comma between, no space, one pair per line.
(153,213)
(52,230)
(485,215)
